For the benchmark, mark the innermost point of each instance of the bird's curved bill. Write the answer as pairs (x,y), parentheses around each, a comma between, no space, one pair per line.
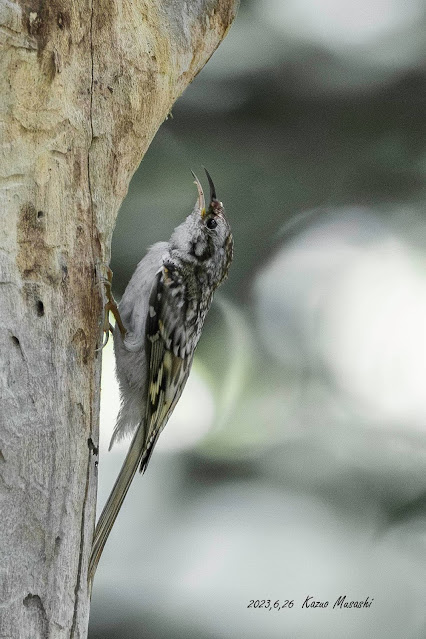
(201,201)
(212,187)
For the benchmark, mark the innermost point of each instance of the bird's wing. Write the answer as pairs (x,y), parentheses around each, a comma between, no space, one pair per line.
(170,347)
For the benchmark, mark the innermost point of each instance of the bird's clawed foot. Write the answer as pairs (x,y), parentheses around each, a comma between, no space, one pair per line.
(110,307)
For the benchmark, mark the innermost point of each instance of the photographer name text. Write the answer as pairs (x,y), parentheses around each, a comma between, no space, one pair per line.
(342,602)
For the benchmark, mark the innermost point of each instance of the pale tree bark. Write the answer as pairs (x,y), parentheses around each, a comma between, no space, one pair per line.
(84,86)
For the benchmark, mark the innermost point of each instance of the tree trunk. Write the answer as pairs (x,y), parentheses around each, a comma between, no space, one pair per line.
(84,86)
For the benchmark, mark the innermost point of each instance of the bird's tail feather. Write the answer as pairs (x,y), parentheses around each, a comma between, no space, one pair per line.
(115,500)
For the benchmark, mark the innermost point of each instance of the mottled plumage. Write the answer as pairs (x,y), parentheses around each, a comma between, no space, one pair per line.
(163,311)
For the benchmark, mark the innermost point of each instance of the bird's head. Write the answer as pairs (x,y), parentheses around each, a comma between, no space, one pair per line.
(205,237)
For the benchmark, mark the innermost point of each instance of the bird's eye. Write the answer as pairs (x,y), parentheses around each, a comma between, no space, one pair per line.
(211,223)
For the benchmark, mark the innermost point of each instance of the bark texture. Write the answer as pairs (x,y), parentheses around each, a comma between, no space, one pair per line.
(84,86)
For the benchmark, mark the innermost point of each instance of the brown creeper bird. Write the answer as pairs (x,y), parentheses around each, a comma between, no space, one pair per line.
(159,322)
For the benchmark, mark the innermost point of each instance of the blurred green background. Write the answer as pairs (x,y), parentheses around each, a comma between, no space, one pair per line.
(295,463)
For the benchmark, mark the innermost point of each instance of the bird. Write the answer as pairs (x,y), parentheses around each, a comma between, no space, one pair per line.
(159,321)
